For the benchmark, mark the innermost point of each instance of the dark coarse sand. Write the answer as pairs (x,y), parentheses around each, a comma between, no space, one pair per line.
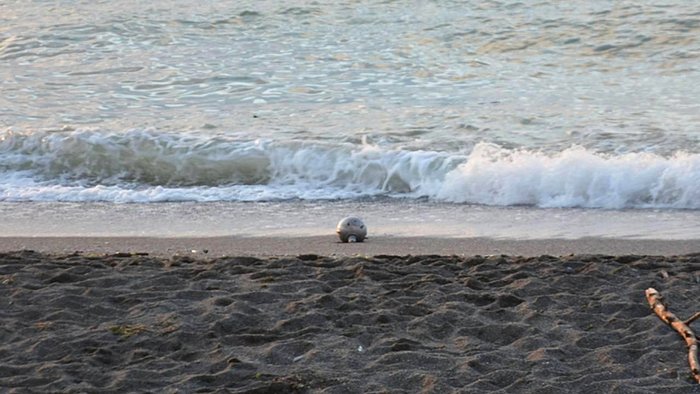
(127,323)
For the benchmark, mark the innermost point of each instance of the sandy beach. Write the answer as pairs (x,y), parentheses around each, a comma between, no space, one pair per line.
(93,320)
(330,246)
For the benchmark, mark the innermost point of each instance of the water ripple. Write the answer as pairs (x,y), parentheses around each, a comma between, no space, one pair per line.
(610,71)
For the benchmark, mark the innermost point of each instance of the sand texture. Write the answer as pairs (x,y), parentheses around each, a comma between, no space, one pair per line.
(330,246)
(126,323)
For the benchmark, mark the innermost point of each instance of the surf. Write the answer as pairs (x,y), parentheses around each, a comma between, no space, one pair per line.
(152,166)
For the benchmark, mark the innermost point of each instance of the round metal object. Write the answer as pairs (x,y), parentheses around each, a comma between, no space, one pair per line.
(351,229)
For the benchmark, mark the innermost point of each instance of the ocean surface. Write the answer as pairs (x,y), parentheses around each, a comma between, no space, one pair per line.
(448,118)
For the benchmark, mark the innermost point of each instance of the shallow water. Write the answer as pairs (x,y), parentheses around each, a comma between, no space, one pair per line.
(104,62)
(608,76)
(300,219)
(499,103)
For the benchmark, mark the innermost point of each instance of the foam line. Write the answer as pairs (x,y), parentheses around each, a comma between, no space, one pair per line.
(148,166)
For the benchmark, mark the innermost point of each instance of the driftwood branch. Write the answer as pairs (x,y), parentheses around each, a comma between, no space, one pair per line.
(693,318)
(655,302)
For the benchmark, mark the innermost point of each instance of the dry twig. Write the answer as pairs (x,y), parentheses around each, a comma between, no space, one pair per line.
(655,302)
(693,318)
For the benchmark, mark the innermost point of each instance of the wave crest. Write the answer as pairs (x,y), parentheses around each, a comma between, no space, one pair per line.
(147,166)
(574,177)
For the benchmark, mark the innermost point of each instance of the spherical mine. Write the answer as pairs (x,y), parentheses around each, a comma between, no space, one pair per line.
(351,229)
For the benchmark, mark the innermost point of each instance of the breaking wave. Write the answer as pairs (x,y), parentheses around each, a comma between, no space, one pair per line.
(148,166)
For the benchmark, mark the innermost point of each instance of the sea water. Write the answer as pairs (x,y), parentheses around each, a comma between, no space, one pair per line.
(448,118)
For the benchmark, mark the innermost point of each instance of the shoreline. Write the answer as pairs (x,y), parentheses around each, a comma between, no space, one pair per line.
(212,247)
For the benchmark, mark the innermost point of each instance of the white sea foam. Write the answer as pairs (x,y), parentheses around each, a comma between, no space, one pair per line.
(574,177)
(148,166)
